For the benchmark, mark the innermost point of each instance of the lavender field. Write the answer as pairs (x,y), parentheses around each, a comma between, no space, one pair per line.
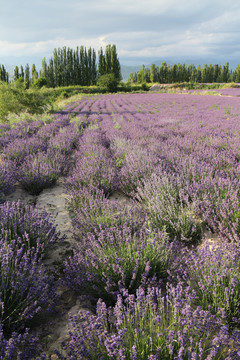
(151,184)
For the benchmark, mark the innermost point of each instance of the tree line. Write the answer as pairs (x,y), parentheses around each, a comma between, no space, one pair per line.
(168,74)
(69,66)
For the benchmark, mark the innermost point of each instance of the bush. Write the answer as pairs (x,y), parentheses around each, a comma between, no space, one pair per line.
(169,210)
(92,210)
(151,326)
(65,140)
(39,83)
(117,259)
(25,286)
(213,273)
(95,168)
(19,346)
(19,149)
(17,219)
(40,171)
(15,99)
(145,87)
(108,82)
(7,177)
(136,165)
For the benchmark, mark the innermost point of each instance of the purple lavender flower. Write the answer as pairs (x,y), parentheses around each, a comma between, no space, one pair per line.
(41,170)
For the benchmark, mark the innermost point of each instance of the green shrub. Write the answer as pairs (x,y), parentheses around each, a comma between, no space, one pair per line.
(108,82)
(15,99)
(39,83)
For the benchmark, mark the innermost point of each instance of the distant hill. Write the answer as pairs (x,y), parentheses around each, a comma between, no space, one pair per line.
(127,70)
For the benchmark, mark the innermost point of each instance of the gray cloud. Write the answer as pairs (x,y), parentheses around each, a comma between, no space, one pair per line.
(139,28)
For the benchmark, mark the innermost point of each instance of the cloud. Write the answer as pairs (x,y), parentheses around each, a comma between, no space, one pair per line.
(138,27)
(46,47)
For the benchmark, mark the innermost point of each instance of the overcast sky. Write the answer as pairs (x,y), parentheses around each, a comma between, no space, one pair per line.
(141,29)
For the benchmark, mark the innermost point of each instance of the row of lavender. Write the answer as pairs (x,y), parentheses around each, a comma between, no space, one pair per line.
(35,154)
(158,297)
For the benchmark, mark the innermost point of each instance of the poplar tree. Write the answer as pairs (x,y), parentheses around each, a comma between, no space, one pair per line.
(27,76)
(3,74)
(34,73)
(44,69)
(55,66)
(108,63)
(153,77)
(86,69)
(89,61)
(108,60)
(51,75)
(16,73)
(21,75)
(115,64)
(82,68)
(94,68)
(101,63)
(237,74)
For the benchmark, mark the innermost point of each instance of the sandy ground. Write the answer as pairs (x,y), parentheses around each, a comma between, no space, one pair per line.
(53,200)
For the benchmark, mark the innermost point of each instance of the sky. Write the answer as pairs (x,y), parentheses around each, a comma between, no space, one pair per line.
(142,30)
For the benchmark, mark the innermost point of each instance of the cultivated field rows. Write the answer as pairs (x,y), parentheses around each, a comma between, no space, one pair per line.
(119,197)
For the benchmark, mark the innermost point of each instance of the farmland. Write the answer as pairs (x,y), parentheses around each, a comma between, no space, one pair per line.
(151,256)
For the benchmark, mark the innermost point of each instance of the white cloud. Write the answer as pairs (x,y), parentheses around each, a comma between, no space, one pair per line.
(45,48)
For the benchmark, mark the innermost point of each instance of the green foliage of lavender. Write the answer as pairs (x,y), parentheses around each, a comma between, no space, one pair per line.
(27,290)
(213,273)
(7,178)
(91,210)
(17,220)
(115,260)
(169,209)
(41,170)
(151,326)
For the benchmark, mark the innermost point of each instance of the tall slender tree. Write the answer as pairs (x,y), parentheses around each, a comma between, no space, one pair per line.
(34,73)
(16,73)
(27,76)
(21,74)
(44,69)
(101,63)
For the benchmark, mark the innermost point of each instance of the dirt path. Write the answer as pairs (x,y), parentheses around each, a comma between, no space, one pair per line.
(53,200)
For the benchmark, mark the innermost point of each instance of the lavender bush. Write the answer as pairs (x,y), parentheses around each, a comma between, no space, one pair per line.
(91,210)
(19,149)
(65,140)
(169,209)
(19,346)
(213,273)
(151,326)
(94,167)
(27,290)
(116,259)
(52,128)
(7,177)
(20,221)
(137,166)
(41,170)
